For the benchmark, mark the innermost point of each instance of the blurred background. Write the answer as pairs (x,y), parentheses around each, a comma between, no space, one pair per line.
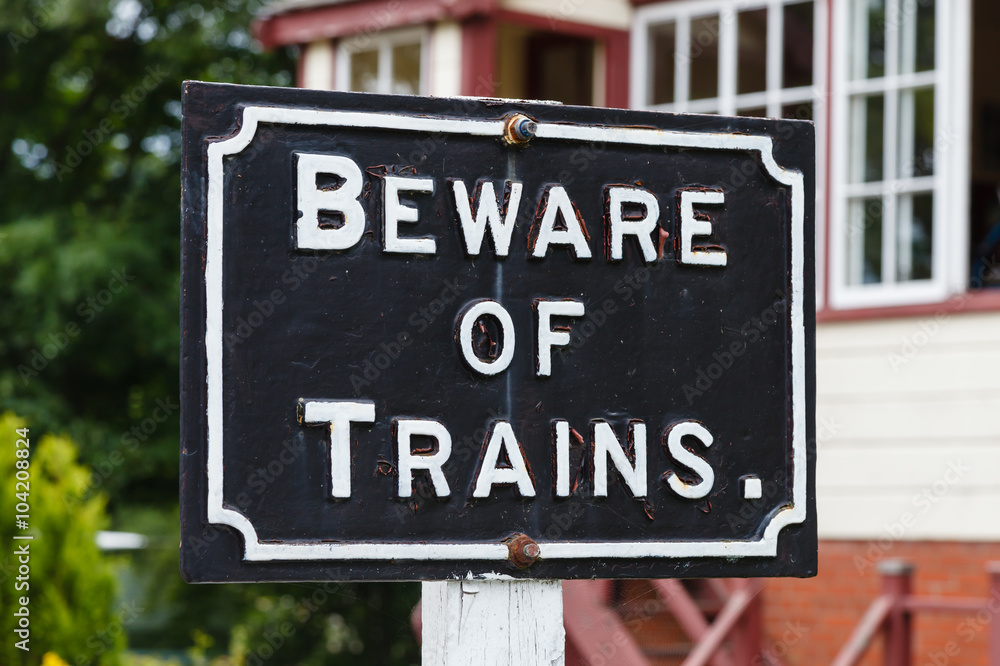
(907,111)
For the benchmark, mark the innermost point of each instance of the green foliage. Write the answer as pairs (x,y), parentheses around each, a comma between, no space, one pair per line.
(90,161)
(320,623)
(69,586)
(306,624)
(311,624)
(89,279)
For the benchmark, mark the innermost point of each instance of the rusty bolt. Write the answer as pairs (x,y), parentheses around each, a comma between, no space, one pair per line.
(519,128)
(523,551)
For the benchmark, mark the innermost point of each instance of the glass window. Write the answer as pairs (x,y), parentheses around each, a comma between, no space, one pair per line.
(388,63)
(406,69)
(918,38)
(868,37)
(797,44)
(703,57)
(771,50)
(868,123)
(663,43)
(752,59)
(864,240)
(560,68)
(889,183)
(364,71)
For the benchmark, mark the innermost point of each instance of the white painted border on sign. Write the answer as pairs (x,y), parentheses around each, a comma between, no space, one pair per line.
(255,550)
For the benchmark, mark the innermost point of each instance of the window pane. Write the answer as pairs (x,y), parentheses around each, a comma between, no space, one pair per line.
(562,68)
(864,241)
(798,45)
(801,111)
(406,69)
(752,58)
(364,71)
(867,116)
(663,39)
(756,112)
(915,237)
(868,39)
(704,57)
(925,35)
(916,150)
(916,38)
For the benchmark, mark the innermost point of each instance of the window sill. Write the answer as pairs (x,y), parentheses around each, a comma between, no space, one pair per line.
(971,301)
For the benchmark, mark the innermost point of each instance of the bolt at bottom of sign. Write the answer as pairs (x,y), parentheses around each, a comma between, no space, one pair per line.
(523,551)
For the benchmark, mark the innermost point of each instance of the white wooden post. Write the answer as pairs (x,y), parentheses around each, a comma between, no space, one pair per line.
(493,623)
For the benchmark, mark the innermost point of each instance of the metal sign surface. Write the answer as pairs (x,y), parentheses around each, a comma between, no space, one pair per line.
(431,338)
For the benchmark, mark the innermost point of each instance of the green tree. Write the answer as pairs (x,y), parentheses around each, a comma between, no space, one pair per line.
(89,242)
(68,587)
(89,281)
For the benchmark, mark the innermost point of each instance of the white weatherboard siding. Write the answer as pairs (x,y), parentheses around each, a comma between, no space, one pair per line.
(908,414)
(605,13)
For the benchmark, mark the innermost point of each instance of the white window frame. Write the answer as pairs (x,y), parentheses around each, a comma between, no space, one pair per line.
(727,102)
(949,182)
(383,43)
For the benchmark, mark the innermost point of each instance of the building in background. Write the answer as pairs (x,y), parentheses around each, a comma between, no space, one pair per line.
(577,54)
(907,111)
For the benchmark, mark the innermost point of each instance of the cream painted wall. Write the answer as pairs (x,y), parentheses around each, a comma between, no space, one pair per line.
(317,65)
(605,13)
(444,65)
(908,427)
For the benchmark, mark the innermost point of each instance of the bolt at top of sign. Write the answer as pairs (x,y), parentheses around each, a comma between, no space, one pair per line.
(519,128)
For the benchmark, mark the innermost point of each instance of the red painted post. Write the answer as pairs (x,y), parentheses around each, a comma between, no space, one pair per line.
(747,635)
(616,56)
(606,591)
(896,583)
(993,607)
(479,39)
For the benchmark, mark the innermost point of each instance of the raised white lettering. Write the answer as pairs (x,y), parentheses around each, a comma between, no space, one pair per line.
(674,435)
(642,229)
(487,215)
(556,203)
(409,460)
(340,414)
(309,235)
(466,323)
(396,211)
(691,227)
(501,437)
(606,444)
(549,337)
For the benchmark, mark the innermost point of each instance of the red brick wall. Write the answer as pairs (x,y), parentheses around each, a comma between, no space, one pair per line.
(808,621)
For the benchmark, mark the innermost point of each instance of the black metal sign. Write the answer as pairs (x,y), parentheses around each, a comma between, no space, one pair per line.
(429,338)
